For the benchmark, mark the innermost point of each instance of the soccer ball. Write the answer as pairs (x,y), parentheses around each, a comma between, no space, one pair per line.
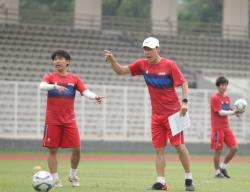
(42,181)
(241,105)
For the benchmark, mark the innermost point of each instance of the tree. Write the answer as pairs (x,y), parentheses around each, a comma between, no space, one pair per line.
(200,11)
(127,8)
(47,11)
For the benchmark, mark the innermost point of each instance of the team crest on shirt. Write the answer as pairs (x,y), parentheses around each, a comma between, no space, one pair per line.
(225,105)
(161,73)
(71,84)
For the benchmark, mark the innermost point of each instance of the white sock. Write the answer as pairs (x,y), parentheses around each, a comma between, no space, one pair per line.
(72,173)
(217,171)
(188,175)
(55,176)
(161,180)
(223,165)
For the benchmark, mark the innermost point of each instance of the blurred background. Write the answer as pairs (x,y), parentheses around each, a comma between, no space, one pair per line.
(205,38)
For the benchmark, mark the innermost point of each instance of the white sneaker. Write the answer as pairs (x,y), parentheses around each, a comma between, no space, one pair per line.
(74,181)
(57,183)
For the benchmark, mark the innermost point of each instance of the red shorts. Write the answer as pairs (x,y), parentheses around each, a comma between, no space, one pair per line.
(219,137)
(161,132)
(65,136)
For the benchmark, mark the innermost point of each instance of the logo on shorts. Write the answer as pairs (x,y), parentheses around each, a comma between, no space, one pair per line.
(48,140)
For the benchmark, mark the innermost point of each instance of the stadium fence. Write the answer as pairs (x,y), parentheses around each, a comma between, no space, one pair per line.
(123,116)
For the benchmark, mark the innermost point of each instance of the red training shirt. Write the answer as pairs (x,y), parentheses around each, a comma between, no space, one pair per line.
(60,106)
(161,80)
(219,102)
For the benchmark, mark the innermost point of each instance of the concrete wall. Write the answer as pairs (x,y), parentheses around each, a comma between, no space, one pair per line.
(164,16)
(114,147)
(235,19)
(88,14)
(9,11)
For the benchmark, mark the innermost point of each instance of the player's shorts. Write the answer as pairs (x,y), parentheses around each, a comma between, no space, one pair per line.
(161,132)
(219,137)
(64,136)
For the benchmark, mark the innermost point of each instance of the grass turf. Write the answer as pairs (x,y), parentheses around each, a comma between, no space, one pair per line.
(124,176)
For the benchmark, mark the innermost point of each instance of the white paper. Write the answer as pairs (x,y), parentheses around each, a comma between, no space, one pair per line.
(178,123)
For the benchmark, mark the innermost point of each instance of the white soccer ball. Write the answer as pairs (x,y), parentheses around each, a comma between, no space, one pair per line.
(42,181)
(241,105)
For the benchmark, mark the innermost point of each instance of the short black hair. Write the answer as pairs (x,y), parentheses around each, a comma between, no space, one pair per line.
(221,80)
(61,53)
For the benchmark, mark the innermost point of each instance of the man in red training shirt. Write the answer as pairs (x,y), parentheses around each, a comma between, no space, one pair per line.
(220,129)
(161,75)
(61,130)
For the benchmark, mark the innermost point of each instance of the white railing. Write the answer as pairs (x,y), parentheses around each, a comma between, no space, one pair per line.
(124,115)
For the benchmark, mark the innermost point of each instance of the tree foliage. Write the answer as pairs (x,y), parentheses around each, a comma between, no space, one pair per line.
(192,11)
(200,11)
(127,8)
(48,5)
(49,11)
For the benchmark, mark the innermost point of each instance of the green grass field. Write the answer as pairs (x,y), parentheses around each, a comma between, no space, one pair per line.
(124,176)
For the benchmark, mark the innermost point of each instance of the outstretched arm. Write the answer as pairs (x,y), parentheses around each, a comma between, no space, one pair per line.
(89,94)
(120,70)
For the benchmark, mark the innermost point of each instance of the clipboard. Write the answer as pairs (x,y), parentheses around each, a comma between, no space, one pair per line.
(178,123)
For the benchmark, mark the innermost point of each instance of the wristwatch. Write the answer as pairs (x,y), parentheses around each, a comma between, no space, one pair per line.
(185,100)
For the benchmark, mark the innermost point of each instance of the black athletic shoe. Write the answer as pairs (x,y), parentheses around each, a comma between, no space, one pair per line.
(224,172)
(159,186)
(189,185)
(219,176)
